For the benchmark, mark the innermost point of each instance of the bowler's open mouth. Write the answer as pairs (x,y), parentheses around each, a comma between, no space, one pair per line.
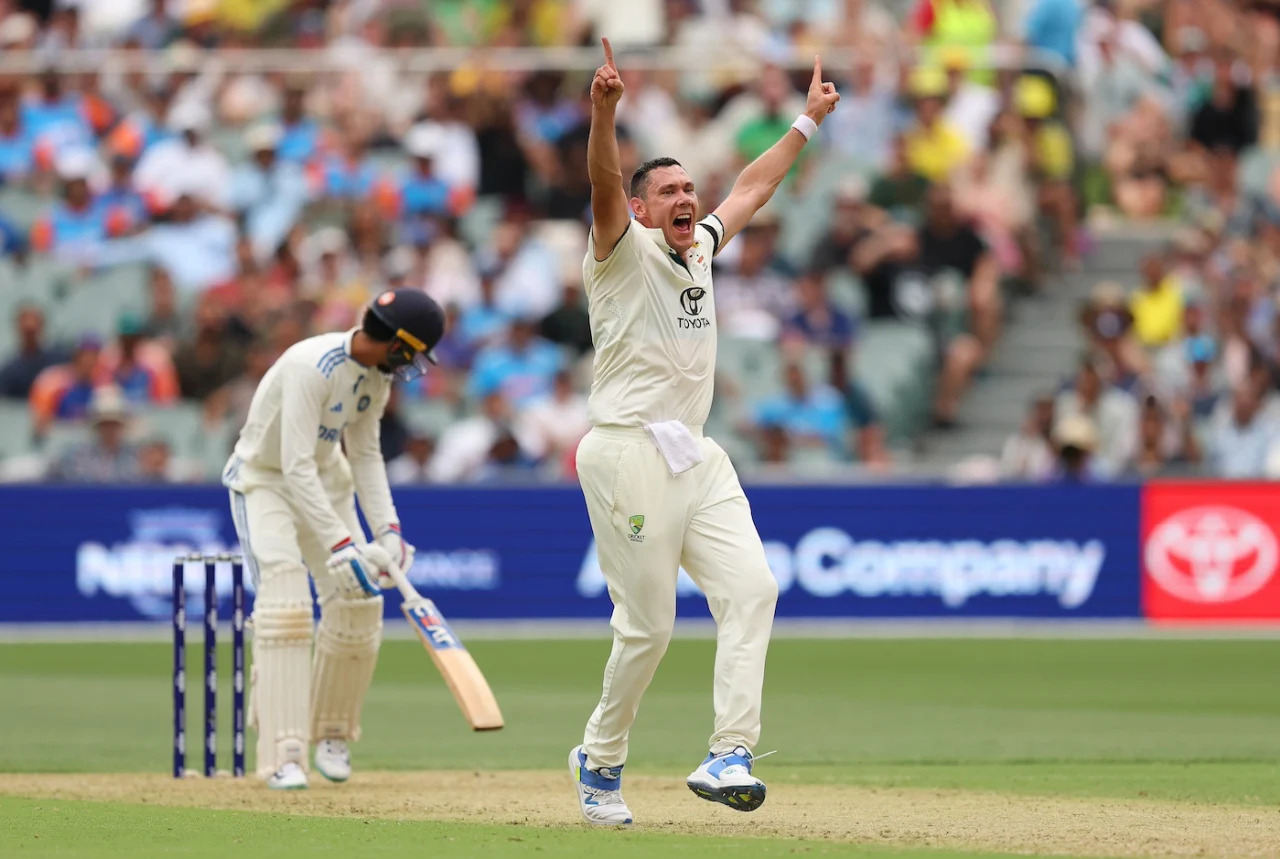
(684,224)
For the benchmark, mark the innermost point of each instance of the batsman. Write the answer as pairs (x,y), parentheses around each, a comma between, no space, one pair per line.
(659,493)
(293,500)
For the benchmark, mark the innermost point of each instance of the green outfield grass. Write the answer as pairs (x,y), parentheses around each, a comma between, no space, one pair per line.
(1169,720)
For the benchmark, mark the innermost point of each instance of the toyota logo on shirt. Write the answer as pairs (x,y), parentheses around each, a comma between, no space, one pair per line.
(1211,554)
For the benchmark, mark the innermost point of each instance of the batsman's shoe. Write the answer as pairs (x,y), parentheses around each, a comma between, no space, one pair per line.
(333,760)
(599,791)
(727,778)
(290,776)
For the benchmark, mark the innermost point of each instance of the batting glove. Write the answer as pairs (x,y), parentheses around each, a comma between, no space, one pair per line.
(357,568)
(401,552)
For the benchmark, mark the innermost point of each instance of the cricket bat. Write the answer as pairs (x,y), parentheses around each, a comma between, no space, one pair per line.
(460,671)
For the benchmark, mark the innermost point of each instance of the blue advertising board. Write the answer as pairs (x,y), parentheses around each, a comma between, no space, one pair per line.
(76,554)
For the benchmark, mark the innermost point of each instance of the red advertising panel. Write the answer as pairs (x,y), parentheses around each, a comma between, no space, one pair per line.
(1211,551)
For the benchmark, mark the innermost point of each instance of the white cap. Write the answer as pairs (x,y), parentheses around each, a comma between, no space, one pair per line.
(263,137)
(188,115)
(73,164)
(108,404)
(424,140)
(1076,431)
(399,261)
(17,28)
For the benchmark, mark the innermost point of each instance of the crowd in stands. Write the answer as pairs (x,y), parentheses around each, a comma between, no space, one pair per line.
(259,207)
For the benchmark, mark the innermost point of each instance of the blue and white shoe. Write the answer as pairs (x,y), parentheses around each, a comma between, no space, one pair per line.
(726,778)
(599,791)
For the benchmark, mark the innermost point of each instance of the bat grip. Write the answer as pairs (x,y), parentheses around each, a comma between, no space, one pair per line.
(407,590)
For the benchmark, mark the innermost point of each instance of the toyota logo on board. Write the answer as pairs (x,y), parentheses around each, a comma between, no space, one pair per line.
(1215,554)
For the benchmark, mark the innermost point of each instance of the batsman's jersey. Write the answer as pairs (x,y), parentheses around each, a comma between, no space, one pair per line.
(653,325)
(311,400)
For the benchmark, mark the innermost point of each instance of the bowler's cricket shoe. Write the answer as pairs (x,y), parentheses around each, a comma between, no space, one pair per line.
(333,760)
(290,776)
(727,778)
(599,791)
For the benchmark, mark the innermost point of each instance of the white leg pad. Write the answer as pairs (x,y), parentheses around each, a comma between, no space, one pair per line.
(347,642)
(281,679)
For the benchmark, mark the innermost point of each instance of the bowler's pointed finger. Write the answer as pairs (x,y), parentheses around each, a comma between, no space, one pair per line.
(817,69)
(608,53)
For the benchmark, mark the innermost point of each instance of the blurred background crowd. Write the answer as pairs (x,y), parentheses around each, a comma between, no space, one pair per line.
(187,187)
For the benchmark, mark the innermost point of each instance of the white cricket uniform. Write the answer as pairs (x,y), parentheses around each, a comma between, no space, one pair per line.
(293,494)
(653,325)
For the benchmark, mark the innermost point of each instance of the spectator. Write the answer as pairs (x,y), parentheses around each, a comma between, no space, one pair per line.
(852,219)
(568,325)
(507,459)
(464,447)
(525,271)
(773,444)
(971,107)
(17,143)
(1052,158)
(156,463)
(1108,327)
(1051,26)
(901,189)
(412,466)
(300,135)
(457,155)
(231,402)
(269,193)
(210,359)
(1229,118)
(75,225)
(155,29)
(812,415)
(63,391)
(1076,440)
(125,209)
(1031,454)
(393,431)
(141,370)
(522,368)
(1157,307)
(185,164)
(33,355)
(345,173)
(948,245)
(54,119)
(108,457)
(419,196)
(165,322)
(1166,444)
(817,320)
(760,132)
(862,130)
(551,428)
(754,296)
(196,248)
(934,147)
(968,25)
(1113,418)
(1243,436)
(869,437)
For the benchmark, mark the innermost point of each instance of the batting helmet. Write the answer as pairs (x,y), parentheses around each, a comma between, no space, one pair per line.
(414,319)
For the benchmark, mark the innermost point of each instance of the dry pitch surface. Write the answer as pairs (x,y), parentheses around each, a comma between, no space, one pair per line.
(906,817)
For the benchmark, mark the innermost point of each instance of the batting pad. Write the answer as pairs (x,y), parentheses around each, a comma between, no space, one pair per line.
(281,681)
(347,643)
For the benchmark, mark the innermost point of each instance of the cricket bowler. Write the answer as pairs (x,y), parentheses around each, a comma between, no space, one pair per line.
(293,500)
(659,493)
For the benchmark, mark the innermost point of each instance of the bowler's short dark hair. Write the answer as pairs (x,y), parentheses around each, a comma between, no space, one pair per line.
(640,178)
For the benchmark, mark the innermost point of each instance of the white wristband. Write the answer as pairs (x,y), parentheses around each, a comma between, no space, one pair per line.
(805,126)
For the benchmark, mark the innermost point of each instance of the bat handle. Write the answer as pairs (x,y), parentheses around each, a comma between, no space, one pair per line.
(406,589)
